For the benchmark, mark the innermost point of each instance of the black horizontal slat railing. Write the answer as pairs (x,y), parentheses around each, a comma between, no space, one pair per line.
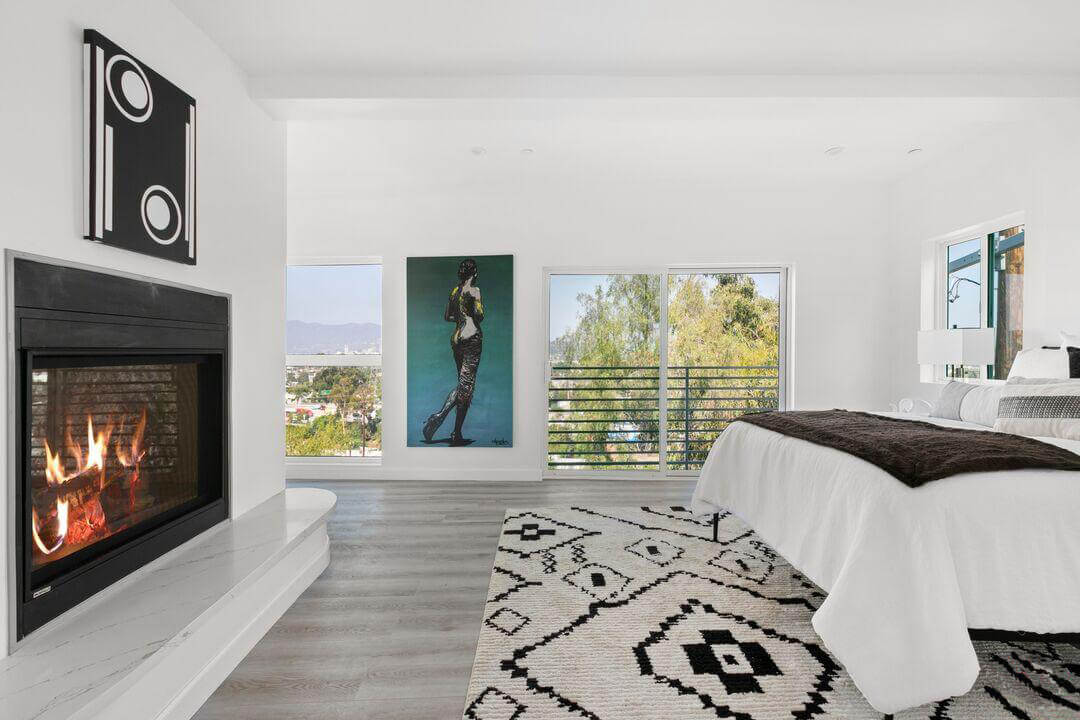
(604,417)
(609,416)
(702,401)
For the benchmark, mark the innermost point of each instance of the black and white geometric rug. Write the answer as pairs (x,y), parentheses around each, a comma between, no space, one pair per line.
(634,613)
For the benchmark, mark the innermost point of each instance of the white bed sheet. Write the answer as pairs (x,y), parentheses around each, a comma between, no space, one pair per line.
(907,570)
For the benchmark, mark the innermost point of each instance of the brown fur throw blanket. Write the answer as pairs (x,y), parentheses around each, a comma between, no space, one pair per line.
(912,451)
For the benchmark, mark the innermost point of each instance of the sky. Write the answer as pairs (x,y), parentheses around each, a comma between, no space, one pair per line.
(334,294)
(564,305)
(565,289)
(965,311)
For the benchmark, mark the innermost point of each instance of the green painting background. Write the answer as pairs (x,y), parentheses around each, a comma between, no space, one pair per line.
(431,373)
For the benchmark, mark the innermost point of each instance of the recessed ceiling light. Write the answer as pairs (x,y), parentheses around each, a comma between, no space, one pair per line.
(914,151)
(479,150)
(834,150)
(527,151)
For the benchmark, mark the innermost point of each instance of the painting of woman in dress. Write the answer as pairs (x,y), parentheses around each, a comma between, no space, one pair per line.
(480,403)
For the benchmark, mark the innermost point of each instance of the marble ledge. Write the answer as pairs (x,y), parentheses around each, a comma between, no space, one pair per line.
(116,639)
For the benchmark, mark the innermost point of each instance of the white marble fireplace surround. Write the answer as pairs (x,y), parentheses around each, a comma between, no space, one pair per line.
(157,643)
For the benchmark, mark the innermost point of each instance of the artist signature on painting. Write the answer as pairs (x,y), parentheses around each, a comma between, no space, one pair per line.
(499,442)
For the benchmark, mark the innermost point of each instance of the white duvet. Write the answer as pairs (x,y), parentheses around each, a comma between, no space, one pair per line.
(907,570)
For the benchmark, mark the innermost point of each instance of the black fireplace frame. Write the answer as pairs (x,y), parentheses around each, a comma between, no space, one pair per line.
(60,310)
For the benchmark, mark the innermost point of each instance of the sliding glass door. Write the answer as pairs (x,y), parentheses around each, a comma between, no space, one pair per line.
(645,368)
(604,371)
(724,340)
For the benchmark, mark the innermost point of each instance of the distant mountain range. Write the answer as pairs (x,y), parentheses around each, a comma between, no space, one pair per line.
(304,338)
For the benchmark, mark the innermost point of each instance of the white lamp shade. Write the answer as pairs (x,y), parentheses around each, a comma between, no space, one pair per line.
(957,347)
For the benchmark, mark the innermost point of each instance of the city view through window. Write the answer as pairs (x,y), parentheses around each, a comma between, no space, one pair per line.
(333,377)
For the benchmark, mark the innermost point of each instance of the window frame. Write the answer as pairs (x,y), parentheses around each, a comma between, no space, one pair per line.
(786,386)
(983,295)
(357,360)
(943,304)
(939,286)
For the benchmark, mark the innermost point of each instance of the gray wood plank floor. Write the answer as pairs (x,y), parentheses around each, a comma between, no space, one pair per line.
(389,630)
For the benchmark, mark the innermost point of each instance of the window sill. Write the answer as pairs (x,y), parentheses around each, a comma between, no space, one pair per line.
(333,460)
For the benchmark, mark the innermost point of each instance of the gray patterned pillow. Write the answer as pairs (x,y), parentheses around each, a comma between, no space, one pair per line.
(1046,410)
(948,402)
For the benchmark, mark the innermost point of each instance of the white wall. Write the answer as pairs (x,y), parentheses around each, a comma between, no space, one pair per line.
(1029,167)
(360,188)
(241,161)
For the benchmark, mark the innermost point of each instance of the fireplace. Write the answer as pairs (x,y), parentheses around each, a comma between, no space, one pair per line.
(120,439)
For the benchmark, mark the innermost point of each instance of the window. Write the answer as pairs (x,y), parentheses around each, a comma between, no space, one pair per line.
(963,295)
(333,375)
(645,369)
(604,371)
(983,288)
(723,356)
(964,309)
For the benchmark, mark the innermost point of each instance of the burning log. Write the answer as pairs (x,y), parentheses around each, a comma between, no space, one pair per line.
(91,490)
(119,497)
(76,490)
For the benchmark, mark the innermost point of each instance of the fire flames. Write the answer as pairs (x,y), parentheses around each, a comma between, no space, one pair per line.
(84,485)
(130,459)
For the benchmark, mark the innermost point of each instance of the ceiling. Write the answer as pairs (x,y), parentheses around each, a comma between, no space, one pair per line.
(747,90)
(643,37)
(764,141)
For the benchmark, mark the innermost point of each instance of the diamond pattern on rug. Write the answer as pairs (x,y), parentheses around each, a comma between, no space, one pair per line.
(660,552)
(755,566)
(506,621)
(493,704)
(720,657)
(739,663)
(528,534)
(598,581)
(694,630)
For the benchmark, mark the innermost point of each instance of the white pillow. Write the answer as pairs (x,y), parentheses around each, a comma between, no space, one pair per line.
(1041,363)
(1040,410)
(949,400)
(980,405)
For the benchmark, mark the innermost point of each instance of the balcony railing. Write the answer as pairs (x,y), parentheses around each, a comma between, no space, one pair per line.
(609,416)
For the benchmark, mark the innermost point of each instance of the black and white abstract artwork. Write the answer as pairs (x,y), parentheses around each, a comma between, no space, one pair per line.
(139,156)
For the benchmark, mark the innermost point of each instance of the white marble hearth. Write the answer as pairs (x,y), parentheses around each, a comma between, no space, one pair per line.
(156,644)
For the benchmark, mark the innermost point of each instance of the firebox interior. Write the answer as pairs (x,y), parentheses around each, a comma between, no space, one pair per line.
(114,451)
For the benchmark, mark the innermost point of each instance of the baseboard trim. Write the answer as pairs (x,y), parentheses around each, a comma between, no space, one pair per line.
(296,469)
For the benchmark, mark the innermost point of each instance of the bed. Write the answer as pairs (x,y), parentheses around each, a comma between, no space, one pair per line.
(907,570)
